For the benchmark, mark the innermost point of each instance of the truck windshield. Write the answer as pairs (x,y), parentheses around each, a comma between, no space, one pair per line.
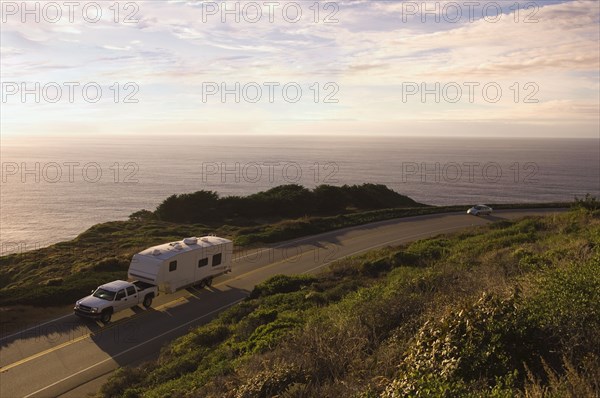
(104,294)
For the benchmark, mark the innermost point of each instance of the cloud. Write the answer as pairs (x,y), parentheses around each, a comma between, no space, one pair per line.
(116,48)
(369,53)
(9,51)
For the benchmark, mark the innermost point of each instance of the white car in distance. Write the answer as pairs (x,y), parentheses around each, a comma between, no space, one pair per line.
(480,210)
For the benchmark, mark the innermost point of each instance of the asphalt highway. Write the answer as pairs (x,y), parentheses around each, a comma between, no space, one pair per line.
(68,356)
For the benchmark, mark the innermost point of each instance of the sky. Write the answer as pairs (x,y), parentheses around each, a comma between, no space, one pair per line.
(351,67)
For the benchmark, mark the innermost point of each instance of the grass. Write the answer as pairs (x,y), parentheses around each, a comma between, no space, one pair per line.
(509,309)
(61,273)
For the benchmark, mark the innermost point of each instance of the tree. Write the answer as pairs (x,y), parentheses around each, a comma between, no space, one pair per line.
(142,215)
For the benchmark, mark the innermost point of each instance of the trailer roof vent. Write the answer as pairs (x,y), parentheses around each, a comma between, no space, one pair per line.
(190,241)
(156,252)
(204,239)
(177,246)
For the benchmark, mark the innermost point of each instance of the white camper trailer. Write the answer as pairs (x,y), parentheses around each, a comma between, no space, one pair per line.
(177,265)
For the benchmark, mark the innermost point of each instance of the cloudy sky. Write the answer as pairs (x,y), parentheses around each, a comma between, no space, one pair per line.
(504,68)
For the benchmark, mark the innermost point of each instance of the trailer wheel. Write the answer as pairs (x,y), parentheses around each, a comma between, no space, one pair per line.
(148,300)
(208,281)
(106,315)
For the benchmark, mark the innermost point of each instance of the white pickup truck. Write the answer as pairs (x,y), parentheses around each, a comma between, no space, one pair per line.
(114,297)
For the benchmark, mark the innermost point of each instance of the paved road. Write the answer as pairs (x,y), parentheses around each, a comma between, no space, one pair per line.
(70,357)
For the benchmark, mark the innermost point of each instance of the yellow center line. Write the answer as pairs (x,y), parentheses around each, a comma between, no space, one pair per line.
(136,316)
(42,353)
(120,322)
(83,337)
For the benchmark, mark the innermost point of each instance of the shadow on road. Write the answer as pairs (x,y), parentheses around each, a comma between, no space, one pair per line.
(52,332)
(144,334)
(141,326)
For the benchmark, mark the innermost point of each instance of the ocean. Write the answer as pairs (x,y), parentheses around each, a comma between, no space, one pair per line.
(54,189)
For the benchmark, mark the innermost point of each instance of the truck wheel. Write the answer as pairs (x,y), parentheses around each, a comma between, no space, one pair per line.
(106,315)
(148,301)
(208,282)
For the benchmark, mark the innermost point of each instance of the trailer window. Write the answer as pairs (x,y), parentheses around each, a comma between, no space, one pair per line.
(203,262)
(130,291)
(172,266)
(216,260)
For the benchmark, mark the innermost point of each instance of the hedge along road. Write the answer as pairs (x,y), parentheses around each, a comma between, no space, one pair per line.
(67,354)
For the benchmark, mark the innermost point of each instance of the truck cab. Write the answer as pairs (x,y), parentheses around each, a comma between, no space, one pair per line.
(114,297)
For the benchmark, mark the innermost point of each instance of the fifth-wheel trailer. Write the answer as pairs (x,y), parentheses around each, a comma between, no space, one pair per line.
(177,265)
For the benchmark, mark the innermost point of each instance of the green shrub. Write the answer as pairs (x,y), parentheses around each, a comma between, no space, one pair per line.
(111,264)
(54,282)
(271,383)
(284,201)
(142,215)
(341,289)
(486,340)
(267,336)
(375,268)
(121,380)
(257,318)
(236,313)
(574,381)
(532,261)
(567,306)
(210,335)
(403,257)
(282,284)
(174,366)
(429,249)
(588,202)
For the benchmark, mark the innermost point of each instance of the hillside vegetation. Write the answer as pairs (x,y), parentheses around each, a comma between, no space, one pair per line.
(286,201)
(511,309)
(59,274)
